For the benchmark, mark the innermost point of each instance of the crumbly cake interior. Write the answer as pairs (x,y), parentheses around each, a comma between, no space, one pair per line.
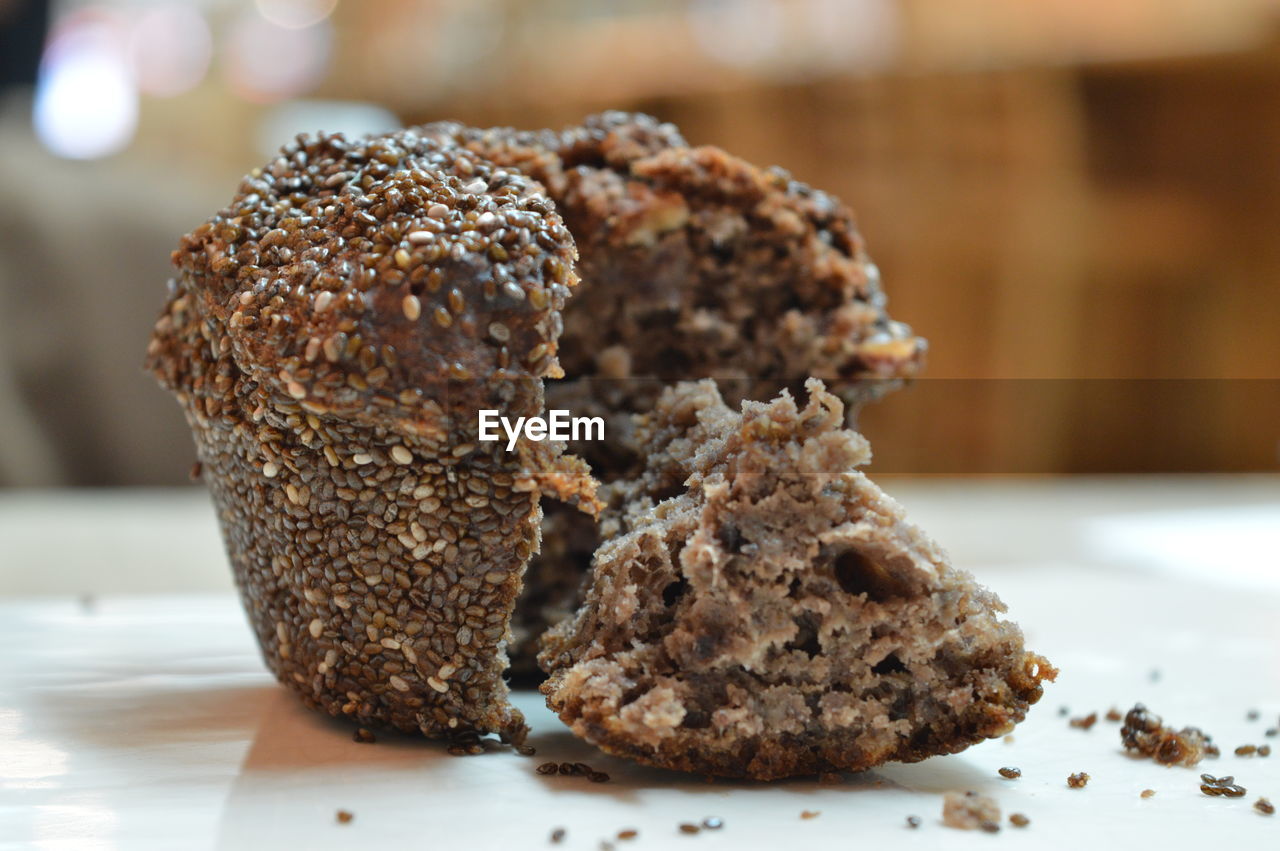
(697,264)
(760,608)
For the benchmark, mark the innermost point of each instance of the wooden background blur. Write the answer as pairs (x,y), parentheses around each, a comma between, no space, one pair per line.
(1078,204)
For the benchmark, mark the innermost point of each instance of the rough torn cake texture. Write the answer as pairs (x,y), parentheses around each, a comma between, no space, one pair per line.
(760,609)
(697,264)
(330,336)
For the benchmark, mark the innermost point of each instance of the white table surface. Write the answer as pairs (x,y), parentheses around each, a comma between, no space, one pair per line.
(140,720)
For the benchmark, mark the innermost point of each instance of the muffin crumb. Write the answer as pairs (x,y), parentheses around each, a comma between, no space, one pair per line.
(1145,732)
(970,811)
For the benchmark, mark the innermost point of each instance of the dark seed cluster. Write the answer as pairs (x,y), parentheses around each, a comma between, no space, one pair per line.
(1144,732)
(1221,786)
(572,769)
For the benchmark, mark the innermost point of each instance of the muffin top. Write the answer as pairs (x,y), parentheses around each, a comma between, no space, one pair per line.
(396,273)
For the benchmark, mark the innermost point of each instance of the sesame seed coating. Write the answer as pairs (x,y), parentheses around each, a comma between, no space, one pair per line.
(377,546)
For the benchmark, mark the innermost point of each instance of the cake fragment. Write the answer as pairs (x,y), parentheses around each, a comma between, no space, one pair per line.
(759,608)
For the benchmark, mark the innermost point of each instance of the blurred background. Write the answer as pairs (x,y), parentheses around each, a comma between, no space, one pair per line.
(1076,201)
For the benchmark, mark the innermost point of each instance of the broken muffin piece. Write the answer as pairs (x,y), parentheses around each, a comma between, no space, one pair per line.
(761,609)
(331,335)
(696,264)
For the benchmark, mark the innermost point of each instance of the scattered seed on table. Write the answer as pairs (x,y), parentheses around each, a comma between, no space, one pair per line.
(689,827)
(548,768)
(713,822)
(557,835)
(344,817)
(1019,820)
(1246,750)
(1264,750)
(808,814)
(629,833)
(1064,711)
(1212,750)
(598,777)
(1148,793)
(1271,732)
(1008,740)
(526,750)
(1085,723)
(1078,780)
(913,822)
(568,769)
(1251,715)
(1114,714)
(1210,790)
(990,827)
(1234,791)
(1010,773)
(1264,806)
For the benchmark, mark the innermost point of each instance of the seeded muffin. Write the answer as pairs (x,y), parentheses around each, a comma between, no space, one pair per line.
(760,609)
(697,264)
(330,336)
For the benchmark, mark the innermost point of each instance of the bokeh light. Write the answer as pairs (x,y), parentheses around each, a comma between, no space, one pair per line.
(856,34)
(266,62)
(86,102)
(741,33)
(295,14)
(169,48)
